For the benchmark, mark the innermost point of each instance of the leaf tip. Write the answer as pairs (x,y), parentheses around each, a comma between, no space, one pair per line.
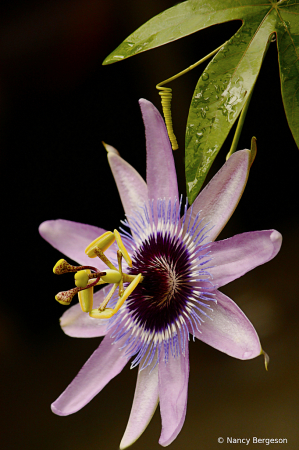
(266,359)
(253,149)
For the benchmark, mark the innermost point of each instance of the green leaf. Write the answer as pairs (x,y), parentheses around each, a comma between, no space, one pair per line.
(228,80)
(219,97)
(288,54)
(179,21)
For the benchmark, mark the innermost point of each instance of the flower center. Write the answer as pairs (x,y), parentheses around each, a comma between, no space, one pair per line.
(175,292)
(160,299)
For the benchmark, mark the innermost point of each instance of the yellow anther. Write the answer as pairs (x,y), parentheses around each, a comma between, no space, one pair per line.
(102,243)
(62,266)
(127,292)
(81,278)
(106,314)
(109,312)
(86,299)
(112,276)
(122,248)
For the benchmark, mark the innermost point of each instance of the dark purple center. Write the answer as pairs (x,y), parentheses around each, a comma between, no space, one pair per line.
(161,297)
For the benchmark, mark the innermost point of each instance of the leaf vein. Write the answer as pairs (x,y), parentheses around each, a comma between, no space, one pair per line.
(290,12)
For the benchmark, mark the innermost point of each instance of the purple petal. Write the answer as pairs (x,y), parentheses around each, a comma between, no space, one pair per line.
(103,365)
(229,330)
(160,174)
(131,186)
(144,405)
(71,239)
(237,255)
(221,196)
(173,390)
(76,323)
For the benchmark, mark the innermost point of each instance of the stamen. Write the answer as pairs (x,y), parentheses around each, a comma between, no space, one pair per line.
(122,248)
(85,296)
(102,242)
(106,314)
(108,297)
(83,277)
(104,258)
(109,312)
(86,299)
(127,292)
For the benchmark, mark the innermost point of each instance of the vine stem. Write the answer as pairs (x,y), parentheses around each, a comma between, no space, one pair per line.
(239,126)
(190,67)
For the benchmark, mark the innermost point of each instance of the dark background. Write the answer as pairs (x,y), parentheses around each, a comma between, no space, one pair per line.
(57,103)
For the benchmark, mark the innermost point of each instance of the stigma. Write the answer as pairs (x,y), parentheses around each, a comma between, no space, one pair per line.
(87,277)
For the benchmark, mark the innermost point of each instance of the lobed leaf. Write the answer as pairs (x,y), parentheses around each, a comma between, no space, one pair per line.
(228,80)
(219,97)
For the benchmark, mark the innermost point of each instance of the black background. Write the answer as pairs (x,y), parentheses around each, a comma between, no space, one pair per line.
(57,103)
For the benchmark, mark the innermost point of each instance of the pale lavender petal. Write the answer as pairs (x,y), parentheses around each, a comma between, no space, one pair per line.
(233,257)
(160,171)
(71,239)
(145,402)
(173,390)
(229,330)
(76,323)
(103,365)
(221,196)
(131,186)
